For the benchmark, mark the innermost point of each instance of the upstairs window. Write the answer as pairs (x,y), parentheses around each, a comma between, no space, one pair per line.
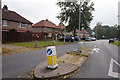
(19,25)
(29,25)
(4,22)
(49,29)
(23,25)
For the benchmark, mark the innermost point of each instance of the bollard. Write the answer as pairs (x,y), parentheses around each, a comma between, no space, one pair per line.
(36,43)
(51,57)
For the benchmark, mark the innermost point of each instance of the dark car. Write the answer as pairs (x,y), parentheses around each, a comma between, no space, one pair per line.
(111,40)
(88,39)
(77,38)
(67,39)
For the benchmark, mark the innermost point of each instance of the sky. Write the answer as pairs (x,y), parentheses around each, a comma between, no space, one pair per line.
(106,11)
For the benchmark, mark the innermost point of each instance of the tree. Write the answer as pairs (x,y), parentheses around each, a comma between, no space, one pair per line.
(70,14)
(99,30)
(106,31)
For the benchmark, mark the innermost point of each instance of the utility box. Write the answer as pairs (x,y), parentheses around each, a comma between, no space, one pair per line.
(51,57)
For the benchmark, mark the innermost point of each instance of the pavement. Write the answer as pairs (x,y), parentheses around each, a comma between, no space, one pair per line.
(63,69)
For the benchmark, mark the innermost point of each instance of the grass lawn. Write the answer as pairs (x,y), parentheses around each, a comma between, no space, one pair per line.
(40,44)
(117,43)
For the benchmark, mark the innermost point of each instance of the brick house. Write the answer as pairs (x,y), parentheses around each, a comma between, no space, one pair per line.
(15,27)
(45,30)
(83,34)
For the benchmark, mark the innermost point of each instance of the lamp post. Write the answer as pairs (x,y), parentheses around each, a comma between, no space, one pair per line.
(81,2)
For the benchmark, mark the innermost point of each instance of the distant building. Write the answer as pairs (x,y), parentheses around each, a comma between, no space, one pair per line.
(15,27)
(83,34)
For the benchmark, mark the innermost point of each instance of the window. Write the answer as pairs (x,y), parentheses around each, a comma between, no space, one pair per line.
(19,25)
(29,25)
(4,22)
(49,34)
(23,25)
(49,29)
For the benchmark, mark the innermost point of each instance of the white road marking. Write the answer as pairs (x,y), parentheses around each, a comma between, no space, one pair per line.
(95,49)
(110,72)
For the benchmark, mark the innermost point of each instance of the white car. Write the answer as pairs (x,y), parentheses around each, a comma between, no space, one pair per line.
(93,39)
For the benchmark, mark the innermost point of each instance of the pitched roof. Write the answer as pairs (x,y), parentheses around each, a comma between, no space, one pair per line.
(45,23)
(61,27)
(13,16)
(82,31)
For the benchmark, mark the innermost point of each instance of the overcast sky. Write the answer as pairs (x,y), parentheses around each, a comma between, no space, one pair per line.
(106,11)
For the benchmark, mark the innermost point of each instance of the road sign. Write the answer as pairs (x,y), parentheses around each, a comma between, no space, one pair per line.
(49,51)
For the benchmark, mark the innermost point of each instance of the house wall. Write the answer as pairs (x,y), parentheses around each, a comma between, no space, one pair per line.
(45,29)
(14,25)
(12,35)
(45,33)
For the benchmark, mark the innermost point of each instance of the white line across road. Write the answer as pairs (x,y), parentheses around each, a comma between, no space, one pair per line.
(110,72)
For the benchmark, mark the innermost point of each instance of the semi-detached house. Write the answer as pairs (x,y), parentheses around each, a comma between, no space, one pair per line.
(15,28)
(46,29)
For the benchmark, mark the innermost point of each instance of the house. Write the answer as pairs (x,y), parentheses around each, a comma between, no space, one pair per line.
(45,29)
(15,27)
(83,34)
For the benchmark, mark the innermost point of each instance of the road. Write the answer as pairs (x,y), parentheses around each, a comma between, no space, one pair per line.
(101,64)
(19,65)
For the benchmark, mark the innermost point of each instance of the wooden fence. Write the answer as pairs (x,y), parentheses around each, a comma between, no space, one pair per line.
(14,36)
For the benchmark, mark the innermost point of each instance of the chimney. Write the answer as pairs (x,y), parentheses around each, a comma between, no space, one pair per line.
(5,7)
(46,19)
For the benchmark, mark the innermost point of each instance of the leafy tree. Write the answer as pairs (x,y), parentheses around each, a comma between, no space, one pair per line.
(70,14)
(106,31)
(99,30)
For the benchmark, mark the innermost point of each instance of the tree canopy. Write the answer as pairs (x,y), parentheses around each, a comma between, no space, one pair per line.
(106,31)
(70,14)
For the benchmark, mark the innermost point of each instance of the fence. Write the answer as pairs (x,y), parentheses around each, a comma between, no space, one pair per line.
(14,36)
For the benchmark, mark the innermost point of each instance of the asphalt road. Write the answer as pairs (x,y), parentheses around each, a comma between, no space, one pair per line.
(19,65)
(101,64)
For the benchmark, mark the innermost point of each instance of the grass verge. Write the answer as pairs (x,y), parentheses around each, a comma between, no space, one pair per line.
(39,44)
(117,43)
(6,51)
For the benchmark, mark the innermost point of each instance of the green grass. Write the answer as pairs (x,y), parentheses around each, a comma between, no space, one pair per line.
(117,43)
(32,44)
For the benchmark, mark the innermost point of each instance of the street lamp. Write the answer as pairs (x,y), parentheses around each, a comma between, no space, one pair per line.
(81,3)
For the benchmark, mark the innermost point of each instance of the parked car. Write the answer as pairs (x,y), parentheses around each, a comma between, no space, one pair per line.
(111,40)
(88,39)
(67,39)
(93,39)
(77,38)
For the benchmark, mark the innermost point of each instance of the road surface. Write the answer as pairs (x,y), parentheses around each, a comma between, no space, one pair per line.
(20,65)
(103,63)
